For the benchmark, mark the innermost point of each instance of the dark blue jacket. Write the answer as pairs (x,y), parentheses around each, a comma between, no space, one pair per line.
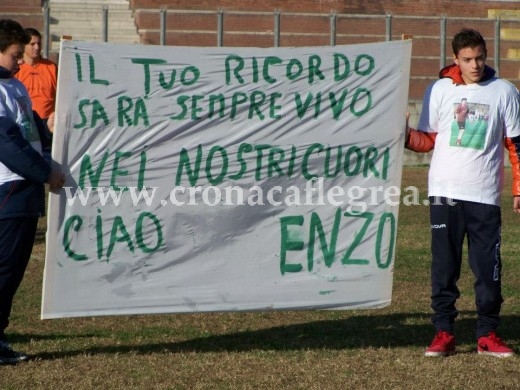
(22,198)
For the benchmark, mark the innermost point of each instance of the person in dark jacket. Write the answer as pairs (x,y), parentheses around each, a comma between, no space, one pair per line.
(23,172)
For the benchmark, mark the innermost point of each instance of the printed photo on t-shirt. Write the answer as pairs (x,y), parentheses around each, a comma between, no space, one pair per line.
(469,126)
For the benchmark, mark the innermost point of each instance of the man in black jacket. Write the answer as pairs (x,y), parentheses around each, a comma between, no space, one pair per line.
(23,172)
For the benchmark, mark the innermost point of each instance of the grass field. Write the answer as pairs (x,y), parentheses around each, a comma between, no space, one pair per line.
(371,349)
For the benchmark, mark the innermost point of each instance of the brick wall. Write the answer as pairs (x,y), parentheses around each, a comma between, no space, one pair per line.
(308,23)
(459,8)
(26,12)
(18,6)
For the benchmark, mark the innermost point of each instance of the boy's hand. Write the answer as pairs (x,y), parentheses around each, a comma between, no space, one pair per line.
(50,122)
(516,204)
(407,128)
(56,180)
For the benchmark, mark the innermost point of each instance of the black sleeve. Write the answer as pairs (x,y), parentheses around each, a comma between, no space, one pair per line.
(45,136)
(17,154)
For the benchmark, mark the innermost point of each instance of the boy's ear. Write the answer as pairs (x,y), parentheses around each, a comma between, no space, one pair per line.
(455,59)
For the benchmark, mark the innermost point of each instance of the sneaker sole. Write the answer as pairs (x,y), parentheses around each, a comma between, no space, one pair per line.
(5,362)
(13,360)
(438,354)
(496,354)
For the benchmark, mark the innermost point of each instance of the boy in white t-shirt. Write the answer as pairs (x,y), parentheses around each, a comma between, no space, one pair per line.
(464,186)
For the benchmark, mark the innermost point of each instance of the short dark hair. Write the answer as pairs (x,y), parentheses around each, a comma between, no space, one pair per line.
(467,37)
(33,32)
(12,33)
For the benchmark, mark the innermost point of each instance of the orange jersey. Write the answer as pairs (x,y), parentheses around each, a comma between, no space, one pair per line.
(41,82)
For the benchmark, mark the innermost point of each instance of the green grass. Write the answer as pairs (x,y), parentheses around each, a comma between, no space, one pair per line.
(370,349)
(474,134)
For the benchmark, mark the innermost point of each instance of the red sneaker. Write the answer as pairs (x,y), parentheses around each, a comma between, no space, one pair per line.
(443,344)
(492,345)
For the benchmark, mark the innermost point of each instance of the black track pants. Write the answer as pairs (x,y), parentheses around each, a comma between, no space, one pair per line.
(16,243)
(451,221)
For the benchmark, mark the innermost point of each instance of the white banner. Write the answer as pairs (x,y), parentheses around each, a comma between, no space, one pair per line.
(219,179)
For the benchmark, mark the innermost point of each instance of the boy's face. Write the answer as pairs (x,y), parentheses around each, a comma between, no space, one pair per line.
(471,61)
(12,57)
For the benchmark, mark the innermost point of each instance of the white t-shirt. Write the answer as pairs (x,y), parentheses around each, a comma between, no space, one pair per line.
(15,103)
(468,157)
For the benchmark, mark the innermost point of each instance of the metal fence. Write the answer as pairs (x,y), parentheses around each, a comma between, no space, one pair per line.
(387,20)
